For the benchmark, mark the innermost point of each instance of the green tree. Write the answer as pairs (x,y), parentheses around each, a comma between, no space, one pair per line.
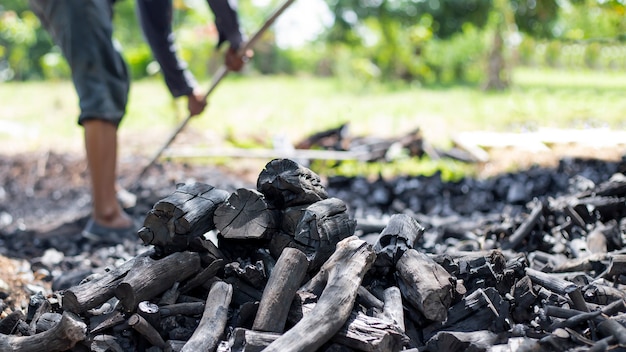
(392,34)
(22,44)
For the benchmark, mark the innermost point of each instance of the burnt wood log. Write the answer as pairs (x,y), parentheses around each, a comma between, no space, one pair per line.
(322,225)
(105,343)
(524,297)
(615,186)
(186,308)
(337,281)
(425,285)
(243,292)
(592,262)
(617,265)
(253,274)
(480,310)
(62,337)
(598,238)
(610,327)
(88,295)
(149,278)
(11,321)
(285,183)
(383,149)
(213,322)
(480,340)
(284,281)
(368,300)
(244,215)
(207,273)
(371,334)
(602,294)
(606,207)
(393,310)
(525,228)
(46,321)
(44,307)
(149,332)
(171,295)
(107,321)
(150,312)
(174,221)
(560,286)
(397,237)
(245,340)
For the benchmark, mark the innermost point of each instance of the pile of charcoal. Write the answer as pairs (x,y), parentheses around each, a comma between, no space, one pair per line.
(524,261)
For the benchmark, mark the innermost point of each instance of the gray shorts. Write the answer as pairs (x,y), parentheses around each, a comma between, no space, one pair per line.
(83,30)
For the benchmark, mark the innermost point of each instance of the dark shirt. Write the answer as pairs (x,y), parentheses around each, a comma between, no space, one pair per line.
(155,17)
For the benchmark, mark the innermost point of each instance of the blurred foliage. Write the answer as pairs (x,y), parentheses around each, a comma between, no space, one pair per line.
(449,170)
(535,17)
(21,44)
(420,42)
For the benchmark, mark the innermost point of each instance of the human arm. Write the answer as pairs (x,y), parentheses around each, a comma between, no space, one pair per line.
(155,17)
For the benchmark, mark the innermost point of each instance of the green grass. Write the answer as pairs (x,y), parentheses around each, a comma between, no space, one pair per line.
(255,109)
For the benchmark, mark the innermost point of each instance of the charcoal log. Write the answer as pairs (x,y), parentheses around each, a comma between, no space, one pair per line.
(480,340)
(246,215)
(213,322)
(88,295)
(397,237)
(279,292)
(425,285)
(187,213)
(184,308)
(363,332)
(285,183)
(245,340)
(205,275)
(525,228)
(393,310)
(479,310)
(366,333)
(149,278)
(320,227)
(560,286)
(149,332)
(62,337)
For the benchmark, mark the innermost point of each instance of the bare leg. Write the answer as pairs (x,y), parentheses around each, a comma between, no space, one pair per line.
(101,150)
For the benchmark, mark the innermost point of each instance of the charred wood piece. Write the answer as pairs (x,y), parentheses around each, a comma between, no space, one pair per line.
(286,278)
(63,336)
(213,322)
(149,278)
(173,222)
(425,285)
(244,215)
(397,237)
(90,294)
(285,183)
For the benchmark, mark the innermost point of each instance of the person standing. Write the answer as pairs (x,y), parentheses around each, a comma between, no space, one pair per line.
(83,30)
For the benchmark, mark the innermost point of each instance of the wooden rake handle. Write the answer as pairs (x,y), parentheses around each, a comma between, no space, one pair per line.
(217,78)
